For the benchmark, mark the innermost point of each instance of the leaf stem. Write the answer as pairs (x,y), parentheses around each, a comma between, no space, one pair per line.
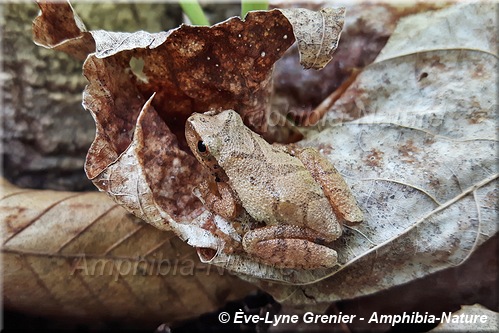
(194,12)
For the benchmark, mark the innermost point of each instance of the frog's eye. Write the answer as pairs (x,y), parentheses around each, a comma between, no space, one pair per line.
(201,147)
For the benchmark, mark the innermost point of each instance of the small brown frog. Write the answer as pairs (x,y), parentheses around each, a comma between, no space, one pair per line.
(297,196)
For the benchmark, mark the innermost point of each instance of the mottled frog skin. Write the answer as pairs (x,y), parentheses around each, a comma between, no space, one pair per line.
(296,196)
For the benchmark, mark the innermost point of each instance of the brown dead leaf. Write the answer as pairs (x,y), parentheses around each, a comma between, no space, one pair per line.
(317,33)
(367,28)
(194,69)
(421,156)
(475,281)
(83,256)
(142,87)
(428,204)
(66,33)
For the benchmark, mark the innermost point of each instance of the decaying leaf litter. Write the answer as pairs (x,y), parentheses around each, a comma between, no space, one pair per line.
(417,121)
(187,69)
(406,156)
(85,257)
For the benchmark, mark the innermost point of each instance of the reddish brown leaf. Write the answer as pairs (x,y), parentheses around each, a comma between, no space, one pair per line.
(142,87)
(60,28)
(139,153)
(426,209)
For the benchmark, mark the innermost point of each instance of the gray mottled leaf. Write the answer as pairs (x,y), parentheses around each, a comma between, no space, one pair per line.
(415,138)
(317,33)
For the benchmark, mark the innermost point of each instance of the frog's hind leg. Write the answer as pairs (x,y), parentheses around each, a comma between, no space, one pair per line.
(287,246)
(334,186)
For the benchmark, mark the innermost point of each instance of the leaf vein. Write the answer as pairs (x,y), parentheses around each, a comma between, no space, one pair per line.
(36,218)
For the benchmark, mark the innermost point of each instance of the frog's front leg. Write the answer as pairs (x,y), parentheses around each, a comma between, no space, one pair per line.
(219,198)
(334,186)
(288,246)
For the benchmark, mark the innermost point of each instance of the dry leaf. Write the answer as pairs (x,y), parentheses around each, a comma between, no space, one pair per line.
(317,33)
(442,291)
(468,312)
(420,158)
(428,204)
(83,256)
(367,28)
(67,33)
(139,154)
(194,69)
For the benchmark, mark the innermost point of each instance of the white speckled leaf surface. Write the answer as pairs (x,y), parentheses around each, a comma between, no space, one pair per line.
(420,155)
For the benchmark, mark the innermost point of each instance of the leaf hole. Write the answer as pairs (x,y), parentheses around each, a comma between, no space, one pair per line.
(137,67)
